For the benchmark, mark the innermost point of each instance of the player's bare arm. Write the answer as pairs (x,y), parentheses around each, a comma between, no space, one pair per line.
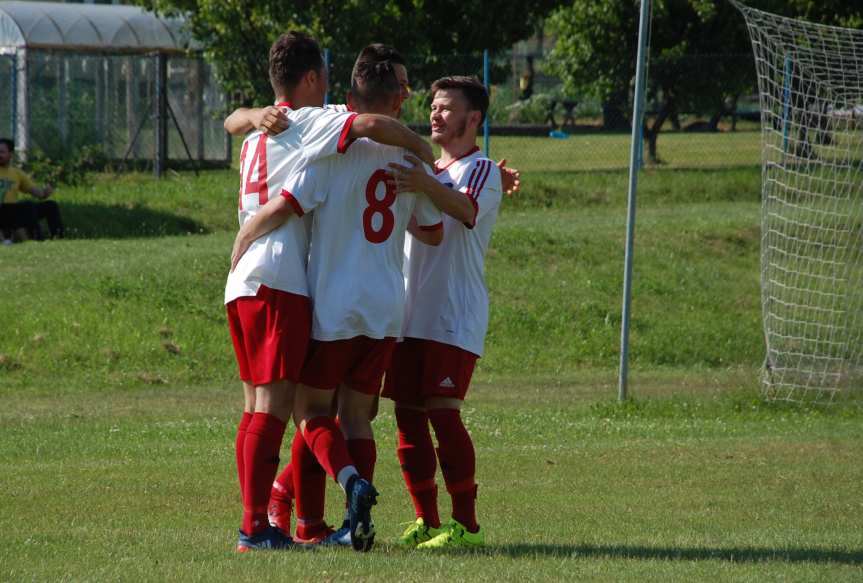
(379,128)
(433,237)
(271,216)
(387,130)
(270,120)
(415,179)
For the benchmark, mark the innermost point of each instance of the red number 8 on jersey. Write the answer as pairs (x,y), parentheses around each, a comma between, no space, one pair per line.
(379,206)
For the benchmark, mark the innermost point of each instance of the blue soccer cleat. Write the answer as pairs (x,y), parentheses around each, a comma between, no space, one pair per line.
(361,497)
(270,539)
(340,537)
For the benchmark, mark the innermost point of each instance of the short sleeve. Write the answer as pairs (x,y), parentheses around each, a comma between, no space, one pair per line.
(483,188)
(429,217)
(25,183)
(325,132)
(305,189)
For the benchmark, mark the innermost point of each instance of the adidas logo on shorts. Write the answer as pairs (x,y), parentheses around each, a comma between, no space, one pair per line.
(447,384)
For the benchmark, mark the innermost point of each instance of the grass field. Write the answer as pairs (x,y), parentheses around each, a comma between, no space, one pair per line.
(599,151)
(120,400)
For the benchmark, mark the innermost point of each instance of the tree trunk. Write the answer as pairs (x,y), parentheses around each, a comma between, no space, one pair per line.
(614,116)
(713,124)
(651,132)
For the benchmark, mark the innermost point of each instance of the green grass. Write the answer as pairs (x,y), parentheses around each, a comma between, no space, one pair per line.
(600,151)
(708,485)
(120,399)
(143,308)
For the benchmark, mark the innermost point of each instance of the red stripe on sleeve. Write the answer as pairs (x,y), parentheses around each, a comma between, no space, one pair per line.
(293,202)
(435,227)
(344,143)
(468,190)
(472,224)
(481,182)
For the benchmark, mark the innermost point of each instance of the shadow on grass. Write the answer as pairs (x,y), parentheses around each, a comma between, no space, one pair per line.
(95,221)
(731,555)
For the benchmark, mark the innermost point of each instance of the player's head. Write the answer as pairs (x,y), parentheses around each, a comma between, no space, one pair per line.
(375,88)
(378,52)
(7,148)
(297,69)
(459,106)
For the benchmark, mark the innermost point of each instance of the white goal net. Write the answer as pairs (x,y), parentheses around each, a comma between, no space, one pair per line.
(810,79)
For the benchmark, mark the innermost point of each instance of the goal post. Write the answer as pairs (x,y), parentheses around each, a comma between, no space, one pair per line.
(810,82)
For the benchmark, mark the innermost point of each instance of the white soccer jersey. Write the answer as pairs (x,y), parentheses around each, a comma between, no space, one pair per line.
(447,300)
(358,235)
(278,259)
(340,107)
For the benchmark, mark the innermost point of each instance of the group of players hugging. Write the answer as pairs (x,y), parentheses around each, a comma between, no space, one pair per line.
(327,294)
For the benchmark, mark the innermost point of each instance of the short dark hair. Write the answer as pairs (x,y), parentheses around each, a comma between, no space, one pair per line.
(293,55)
(472,89)
(373,79)
(9,143)
(380,52)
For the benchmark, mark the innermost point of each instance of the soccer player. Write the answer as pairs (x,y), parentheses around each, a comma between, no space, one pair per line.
(272,120)
(446,318)
(303,478)
(266,294)
(355,277)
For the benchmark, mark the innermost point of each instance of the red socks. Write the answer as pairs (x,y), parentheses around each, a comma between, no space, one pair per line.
(309,487)
(260,462)
(238,448)
(364,454)
(324,438)
(458,464)
(417,458)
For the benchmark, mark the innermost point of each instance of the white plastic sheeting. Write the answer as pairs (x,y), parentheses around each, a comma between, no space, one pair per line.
(88,27)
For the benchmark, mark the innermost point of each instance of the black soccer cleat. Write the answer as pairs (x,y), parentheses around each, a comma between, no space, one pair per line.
(361,497)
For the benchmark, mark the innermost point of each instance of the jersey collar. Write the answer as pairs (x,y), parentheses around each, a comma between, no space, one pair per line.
(439,169)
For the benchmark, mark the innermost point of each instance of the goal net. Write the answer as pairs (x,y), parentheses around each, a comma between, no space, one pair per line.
(810,80)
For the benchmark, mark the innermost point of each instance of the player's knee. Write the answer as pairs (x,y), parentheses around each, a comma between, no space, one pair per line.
(311,403)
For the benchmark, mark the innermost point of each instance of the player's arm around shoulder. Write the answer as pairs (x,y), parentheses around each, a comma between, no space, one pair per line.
(271,120)
(390,131)
(415,178)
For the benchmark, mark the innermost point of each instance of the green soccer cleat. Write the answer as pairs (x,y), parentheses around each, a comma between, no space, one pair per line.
(418,532)
(455,535)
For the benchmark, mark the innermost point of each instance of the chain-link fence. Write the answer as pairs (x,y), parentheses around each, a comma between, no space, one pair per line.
(110,103)
(537,125)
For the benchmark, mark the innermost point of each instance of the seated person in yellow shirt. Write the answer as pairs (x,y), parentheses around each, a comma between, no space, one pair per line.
(15,214)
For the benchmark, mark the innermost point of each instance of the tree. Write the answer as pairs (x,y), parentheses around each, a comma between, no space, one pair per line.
(700,57)
(433,35)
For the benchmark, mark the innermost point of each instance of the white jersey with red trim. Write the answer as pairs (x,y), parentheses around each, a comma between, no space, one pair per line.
(278,259)
(358,236)
(447,300)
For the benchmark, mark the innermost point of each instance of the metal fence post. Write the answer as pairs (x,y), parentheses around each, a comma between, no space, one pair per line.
(22,106)
(637,128)
(487,82)
(161,103)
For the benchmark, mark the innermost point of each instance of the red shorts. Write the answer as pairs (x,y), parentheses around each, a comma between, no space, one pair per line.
(359,363)
(424,368)
(270,332)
